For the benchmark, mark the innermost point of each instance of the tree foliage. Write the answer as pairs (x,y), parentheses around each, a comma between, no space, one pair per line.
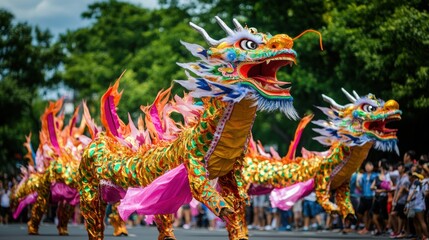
(379,47)
(124,37)
(28,61)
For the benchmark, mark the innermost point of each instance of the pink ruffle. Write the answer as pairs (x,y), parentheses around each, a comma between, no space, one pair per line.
(256,189)
(62,192)
(111,193)
(165,195)
(285,198)
(29,199)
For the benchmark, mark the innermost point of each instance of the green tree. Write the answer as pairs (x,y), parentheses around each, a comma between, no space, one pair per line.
(28,62)
(383,47)
(145,43)
(380,47)
(307,77)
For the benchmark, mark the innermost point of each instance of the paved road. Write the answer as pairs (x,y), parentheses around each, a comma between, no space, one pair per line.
(49,232)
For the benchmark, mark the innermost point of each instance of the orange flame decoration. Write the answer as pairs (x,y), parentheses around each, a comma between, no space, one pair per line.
(50,125)
(29,154)
(115,127)
(93,129)
(155,122)
(294,143)
(71,132)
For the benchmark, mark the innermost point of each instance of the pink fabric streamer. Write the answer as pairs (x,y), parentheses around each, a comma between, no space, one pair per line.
(149,219)
(111,193)
(165,195)
(285,198)
(256,189)
(62,192)
(29,199)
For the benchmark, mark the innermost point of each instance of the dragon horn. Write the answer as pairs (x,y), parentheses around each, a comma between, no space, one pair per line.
(332,102)
(356,95)
(237,24)
(224,26)
(206,36)
(349,97)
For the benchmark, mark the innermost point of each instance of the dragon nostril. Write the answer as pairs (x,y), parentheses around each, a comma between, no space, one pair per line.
(391,105)
(280,41)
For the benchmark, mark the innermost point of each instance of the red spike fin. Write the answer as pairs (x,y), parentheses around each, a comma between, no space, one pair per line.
(298,132)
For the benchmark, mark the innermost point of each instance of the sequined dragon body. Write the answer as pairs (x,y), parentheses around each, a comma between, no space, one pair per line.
(234,79)
(350,132)
(51,176)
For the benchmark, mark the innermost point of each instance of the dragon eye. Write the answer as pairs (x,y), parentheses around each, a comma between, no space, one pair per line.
(248,44)
(368,108)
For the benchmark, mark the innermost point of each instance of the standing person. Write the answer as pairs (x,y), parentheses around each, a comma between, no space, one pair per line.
(355,195)
(184,217)
(5,204)
(285,219)
(259,203)
(211,217)
(409,158)
(272,217)
(367,197)
(297,215)
(399,219)
(311,210)
(425,186)
(416,205)
(381,187)
(1,194)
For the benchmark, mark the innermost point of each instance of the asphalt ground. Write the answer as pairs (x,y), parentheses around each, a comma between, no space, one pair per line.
(48,231)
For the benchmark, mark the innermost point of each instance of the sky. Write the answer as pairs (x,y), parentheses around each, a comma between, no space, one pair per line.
(56,15)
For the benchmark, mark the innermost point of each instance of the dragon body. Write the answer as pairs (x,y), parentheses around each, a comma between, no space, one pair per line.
(52,175)
(234,79)
(350,132)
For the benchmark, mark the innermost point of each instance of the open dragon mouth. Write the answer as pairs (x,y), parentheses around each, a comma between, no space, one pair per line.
(379,128)
(262,75)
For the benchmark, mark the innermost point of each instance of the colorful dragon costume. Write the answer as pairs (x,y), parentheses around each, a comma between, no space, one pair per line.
(234,79)
(51,173)
(350,131)
(54,178)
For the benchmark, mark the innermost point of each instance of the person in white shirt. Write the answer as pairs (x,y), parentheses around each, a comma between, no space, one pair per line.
(5,204)
(416,204)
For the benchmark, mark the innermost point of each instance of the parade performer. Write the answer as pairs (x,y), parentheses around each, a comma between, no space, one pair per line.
(234,79)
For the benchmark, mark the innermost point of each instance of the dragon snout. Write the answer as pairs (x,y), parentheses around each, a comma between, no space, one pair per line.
(392,105)
(280,41)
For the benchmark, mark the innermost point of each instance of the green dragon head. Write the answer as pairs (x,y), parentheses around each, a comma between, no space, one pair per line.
(243,64)
(361,121)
